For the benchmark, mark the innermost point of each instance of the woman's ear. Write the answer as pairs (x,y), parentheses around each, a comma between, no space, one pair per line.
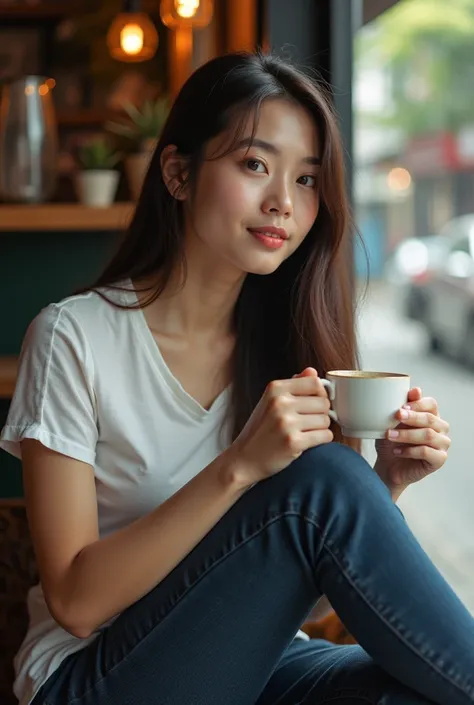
(174,172)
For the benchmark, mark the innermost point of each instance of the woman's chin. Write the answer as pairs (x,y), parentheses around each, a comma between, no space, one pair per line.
(263,268)
(263,271)
(261,265)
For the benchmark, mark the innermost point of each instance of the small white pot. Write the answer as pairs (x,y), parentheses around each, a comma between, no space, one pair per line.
(97,187)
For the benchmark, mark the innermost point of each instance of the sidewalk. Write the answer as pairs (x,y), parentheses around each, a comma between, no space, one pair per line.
(439,509)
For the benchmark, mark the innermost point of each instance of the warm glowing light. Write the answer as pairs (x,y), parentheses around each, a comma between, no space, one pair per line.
(131,39)
(132,36)
(50,82)
(29,89)
(186,8)
(399,179)
(193,14)
(43,89)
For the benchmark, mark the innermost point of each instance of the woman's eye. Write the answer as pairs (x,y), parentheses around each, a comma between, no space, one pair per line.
(255,165)
(308,180)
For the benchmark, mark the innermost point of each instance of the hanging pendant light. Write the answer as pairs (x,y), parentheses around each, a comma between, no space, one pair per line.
(193,14)
(132,36)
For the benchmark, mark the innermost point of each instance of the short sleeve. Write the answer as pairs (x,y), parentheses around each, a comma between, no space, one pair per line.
(54,399)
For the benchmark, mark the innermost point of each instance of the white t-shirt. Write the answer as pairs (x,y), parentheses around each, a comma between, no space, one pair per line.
(93,385)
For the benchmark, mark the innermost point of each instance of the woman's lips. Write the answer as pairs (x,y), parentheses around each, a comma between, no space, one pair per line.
(273,242)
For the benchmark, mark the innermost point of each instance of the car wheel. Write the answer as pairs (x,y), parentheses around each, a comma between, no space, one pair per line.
(435,343)
(416,306)
(417,309)
(468,347)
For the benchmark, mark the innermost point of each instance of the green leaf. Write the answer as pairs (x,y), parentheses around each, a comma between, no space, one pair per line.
(426,50)
(144,123)
(97,154)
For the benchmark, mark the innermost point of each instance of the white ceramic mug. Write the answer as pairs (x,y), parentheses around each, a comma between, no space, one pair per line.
(364,404)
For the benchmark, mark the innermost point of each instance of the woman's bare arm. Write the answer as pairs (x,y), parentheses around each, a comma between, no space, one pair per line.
(87,581)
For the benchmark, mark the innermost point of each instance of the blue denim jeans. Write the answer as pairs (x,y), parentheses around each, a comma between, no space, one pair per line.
(218,630)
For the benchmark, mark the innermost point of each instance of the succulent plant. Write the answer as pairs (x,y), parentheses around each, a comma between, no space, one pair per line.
(144,123)
(98,154)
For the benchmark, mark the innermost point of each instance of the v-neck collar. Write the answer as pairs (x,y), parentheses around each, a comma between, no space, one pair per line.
(195,409)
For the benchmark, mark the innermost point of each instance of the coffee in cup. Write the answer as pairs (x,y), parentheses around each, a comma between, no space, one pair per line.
(364,404)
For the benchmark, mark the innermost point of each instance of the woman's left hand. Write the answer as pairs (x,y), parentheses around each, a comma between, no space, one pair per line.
(417,447)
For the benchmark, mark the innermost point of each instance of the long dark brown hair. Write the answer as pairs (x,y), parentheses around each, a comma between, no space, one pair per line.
(302,314)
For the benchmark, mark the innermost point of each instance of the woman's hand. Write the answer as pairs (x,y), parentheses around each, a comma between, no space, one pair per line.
(416,448)
(291,417)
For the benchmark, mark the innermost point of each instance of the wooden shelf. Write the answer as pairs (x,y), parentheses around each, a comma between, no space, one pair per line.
(8,371)
(64,216)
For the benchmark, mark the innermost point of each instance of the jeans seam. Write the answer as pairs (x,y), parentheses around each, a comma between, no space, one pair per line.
(211,568)
(393,629)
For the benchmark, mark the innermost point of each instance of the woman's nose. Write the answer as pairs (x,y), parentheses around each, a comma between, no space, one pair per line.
(279,202)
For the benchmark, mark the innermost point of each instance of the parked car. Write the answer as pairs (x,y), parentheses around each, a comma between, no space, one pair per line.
(442,297)
(413,257)
(457,227)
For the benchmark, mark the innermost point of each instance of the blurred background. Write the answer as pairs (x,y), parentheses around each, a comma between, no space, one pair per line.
(413,160)
(85,89)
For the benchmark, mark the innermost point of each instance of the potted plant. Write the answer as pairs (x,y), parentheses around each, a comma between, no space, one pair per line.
(143,128)
(97,179)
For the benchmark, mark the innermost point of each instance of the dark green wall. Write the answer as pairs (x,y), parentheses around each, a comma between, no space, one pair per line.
(35,270)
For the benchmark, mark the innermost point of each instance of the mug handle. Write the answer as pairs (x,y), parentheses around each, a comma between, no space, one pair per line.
(331,387)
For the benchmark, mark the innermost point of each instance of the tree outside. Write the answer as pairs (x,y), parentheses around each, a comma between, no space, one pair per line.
(427,49)
(414,123)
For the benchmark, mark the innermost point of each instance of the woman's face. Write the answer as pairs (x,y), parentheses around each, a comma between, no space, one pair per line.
(252,208)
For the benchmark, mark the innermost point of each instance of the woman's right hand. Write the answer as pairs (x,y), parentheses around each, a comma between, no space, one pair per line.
(291,417)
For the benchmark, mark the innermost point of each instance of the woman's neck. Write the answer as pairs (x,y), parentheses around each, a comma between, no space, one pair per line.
(203,307)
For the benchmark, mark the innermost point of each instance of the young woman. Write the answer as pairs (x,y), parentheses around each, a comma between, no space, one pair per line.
(187,503)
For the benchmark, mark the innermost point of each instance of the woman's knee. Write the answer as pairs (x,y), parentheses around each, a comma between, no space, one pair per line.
(337,468)
(334,461)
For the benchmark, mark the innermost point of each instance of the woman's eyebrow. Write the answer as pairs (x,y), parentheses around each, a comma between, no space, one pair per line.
(267,146)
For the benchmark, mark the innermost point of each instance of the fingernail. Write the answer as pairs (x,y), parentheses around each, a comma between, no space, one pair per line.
(397,451)
(406,406)
(404,413)
(393,434)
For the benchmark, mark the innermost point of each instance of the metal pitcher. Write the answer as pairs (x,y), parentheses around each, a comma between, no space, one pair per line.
(28,140)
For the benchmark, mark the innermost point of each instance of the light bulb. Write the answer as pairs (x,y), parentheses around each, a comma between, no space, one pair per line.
(131,39)
(132,36)
(193,14)
(186,8)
